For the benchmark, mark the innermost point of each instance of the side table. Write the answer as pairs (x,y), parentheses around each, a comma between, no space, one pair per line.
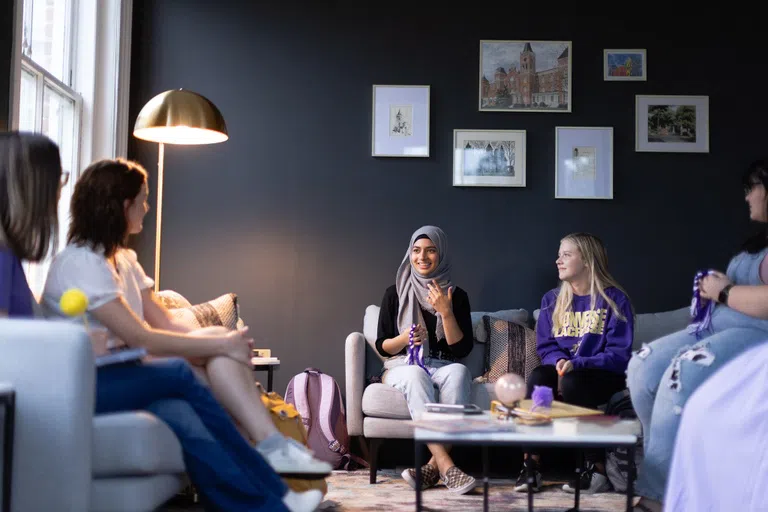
(8,402)
(267,364)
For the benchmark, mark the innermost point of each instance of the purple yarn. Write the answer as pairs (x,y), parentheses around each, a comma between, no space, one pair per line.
(542,397)
(701,309)
(415,354)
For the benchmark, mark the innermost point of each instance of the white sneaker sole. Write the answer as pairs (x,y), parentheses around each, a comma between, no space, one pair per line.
(464,489)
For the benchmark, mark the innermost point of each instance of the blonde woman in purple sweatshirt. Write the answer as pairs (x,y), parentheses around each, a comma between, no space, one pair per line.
(584,338)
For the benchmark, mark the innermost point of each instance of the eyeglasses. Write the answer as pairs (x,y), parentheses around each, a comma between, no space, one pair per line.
(64,178)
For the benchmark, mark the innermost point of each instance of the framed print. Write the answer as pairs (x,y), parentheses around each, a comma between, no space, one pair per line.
(583,162)
(400,120)
(525,76)
(672,124)
(625,65)
(489,158)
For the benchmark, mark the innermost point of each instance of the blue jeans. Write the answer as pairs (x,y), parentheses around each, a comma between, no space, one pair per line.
(227,471)
(448,383)
(661,376)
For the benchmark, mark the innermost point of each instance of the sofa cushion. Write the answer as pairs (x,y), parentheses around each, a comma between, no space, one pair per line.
(134,443)
(652,326)
(519,316)
(172,299)
(384,401)
(222,310)
(511,349)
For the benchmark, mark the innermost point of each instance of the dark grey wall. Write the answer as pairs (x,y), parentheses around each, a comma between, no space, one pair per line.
(296,217)
(6,62)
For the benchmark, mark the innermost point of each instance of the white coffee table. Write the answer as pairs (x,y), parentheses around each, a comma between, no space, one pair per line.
(585,432)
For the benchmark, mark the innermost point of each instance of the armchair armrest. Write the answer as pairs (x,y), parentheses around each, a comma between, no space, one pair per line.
(354,373)
(50,365)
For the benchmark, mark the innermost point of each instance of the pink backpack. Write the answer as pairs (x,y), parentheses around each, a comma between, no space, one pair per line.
(317,397)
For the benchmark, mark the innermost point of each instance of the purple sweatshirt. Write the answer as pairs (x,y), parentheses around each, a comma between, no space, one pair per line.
(15,296)
(588,338)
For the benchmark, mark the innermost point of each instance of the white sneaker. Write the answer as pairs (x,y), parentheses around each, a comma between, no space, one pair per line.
(306,501)
(294,460)
(591,482)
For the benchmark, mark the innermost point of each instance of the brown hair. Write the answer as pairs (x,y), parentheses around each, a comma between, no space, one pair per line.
(98,204)
(30,176)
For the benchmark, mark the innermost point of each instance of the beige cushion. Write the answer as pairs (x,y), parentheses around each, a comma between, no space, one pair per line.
(134,443)
(384,401)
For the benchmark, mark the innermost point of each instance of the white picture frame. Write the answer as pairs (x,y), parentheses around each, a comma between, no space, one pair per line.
(671,124)
(489,158)
(400,121)
(584,162)
(625,65)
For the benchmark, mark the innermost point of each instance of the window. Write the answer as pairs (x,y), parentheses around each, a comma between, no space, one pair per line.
(48,104)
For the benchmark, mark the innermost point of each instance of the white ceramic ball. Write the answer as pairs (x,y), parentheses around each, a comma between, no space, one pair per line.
(510,389)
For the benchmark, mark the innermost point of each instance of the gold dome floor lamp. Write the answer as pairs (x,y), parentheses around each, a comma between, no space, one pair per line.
(179,117)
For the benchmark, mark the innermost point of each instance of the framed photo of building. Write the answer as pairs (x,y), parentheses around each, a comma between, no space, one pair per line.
(525,76)
(489,158)
(625,65)
(400,124)
(672,124)
(583,162)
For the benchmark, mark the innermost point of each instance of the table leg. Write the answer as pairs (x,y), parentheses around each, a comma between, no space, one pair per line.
(577,492)
(269,379)
(10,414)
(485,478)
(630,477)
(418,474)
(531,483)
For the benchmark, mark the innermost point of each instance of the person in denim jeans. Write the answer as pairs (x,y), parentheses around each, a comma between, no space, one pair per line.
(662,375)
(228,472)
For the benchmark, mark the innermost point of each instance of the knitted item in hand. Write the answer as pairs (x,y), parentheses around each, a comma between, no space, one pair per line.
(701,309)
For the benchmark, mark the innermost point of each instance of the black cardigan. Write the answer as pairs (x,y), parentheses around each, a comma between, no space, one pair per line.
(437,348)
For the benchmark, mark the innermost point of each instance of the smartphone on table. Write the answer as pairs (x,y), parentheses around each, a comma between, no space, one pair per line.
(454,409)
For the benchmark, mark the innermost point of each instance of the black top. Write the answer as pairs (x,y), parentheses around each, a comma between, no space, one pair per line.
(437,349)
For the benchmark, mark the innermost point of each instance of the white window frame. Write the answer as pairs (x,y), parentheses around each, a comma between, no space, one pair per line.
(99,74)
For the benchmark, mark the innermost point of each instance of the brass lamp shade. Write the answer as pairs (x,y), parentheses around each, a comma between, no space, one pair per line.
(179,116)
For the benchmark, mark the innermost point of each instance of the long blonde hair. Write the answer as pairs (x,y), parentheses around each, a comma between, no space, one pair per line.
(595,258)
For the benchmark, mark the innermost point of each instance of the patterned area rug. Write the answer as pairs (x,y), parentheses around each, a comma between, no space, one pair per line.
(350,491)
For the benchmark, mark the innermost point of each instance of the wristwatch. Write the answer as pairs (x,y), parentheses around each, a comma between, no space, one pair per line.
(722,297)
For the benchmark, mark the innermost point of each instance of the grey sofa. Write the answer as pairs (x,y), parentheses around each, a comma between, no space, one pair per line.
(65,458)
(378,412)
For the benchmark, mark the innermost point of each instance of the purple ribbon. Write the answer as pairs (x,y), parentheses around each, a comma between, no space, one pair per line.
(415,354)
(542,396)
(701,309)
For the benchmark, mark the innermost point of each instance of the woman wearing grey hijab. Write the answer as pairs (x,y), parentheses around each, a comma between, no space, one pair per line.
(424,328)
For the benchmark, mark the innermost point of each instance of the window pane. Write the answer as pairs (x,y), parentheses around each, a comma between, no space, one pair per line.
(28,105)
(44,37)
(59,125)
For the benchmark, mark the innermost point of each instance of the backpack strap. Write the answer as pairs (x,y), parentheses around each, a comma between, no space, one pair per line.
(326,403)
(300,383)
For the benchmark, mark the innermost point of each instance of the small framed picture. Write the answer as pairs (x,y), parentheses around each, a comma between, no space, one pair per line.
(625,65)
(583,162)
(489,158)
(672,124)
(400,120)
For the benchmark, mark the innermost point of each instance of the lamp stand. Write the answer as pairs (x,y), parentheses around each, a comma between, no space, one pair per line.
(159,222)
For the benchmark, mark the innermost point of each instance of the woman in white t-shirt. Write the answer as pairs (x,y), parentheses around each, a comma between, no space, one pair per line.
(109,205)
